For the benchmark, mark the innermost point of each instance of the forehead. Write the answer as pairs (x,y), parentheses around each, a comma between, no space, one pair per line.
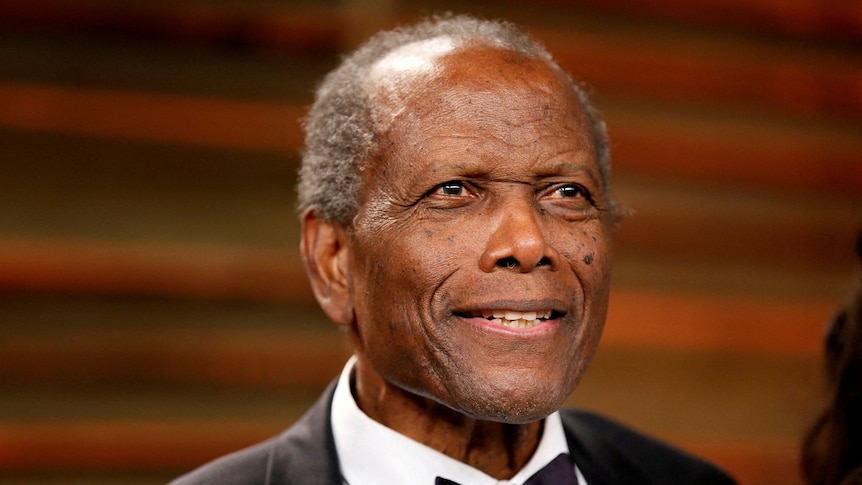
(421,71)
(447,111)
(441,105)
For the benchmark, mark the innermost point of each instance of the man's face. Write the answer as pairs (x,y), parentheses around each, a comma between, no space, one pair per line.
(480,256)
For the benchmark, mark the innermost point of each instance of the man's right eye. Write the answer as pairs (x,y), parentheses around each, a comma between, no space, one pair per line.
(451,195)
(452,189)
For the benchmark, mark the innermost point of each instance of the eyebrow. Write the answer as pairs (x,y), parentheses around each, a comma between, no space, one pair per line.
(569,167)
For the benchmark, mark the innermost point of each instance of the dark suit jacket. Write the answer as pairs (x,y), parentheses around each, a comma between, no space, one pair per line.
(604,451)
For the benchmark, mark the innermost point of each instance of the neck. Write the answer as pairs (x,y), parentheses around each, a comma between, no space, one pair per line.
(497,449)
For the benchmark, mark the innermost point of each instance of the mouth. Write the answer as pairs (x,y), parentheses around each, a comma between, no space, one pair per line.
(515,319)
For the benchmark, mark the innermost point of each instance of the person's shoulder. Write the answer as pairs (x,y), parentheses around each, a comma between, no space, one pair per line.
(631,452)
(303,453)
(243,467)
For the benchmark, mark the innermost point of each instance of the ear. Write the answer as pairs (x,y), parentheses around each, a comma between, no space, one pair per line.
(325,254)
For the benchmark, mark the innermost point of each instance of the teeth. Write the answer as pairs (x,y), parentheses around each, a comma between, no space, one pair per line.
(511,318)
(521,323)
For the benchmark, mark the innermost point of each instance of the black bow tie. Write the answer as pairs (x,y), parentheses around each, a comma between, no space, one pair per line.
(560,471)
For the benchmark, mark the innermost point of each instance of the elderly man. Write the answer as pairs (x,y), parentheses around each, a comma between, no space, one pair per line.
(457,222)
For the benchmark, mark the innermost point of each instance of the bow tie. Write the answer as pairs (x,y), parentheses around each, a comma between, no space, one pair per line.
(560,471)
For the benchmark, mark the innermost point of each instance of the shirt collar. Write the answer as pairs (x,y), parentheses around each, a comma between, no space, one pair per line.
(370,453)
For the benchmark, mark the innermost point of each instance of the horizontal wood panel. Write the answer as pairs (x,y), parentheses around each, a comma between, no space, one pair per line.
(806,18)
(241,358)
(683,71)
(152,269)
(306,28)
(738,226)
(159,118)
(125,445)
(68,188)
(711,323)
(767,463)
(728,150)
(704,394)
(804,81)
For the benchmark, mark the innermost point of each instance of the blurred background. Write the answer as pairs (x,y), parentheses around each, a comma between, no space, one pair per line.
(153,310)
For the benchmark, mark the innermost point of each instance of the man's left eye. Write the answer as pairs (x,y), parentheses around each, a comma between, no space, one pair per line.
(570,191)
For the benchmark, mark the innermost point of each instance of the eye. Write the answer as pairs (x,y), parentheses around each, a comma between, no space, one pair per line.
(569,191)
(451,195)
(451,189)
(569,200)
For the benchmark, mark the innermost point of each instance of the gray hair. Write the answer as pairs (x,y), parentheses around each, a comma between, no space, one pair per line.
(340,133)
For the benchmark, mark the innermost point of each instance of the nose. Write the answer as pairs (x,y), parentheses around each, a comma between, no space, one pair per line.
(518,242)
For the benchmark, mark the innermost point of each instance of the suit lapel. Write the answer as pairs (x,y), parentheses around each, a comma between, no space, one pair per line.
(599,463)
(305,453)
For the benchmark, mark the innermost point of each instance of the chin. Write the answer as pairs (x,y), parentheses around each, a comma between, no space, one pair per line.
(513,404)
(513,412)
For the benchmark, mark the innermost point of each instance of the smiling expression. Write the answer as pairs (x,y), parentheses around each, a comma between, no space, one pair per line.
(479,259)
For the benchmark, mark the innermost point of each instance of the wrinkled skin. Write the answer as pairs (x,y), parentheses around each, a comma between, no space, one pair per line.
(485,195)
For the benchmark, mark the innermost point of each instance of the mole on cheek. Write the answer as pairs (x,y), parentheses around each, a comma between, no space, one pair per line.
(588,259)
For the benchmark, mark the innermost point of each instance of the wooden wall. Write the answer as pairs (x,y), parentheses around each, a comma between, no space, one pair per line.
(153,313)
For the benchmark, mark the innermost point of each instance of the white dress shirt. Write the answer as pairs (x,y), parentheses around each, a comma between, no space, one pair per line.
(370,453)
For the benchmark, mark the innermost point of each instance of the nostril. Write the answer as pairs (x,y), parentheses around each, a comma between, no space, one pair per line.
(509,262)
(544,262)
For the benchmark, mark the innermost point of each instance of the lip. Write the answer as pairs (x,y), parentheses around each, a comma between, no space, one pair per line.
(555,305)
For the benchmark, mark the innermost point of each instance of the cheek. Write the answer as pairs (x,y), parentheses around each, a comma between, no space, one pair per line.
(593,264)
(438,251)
(401,268)
(588,250)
